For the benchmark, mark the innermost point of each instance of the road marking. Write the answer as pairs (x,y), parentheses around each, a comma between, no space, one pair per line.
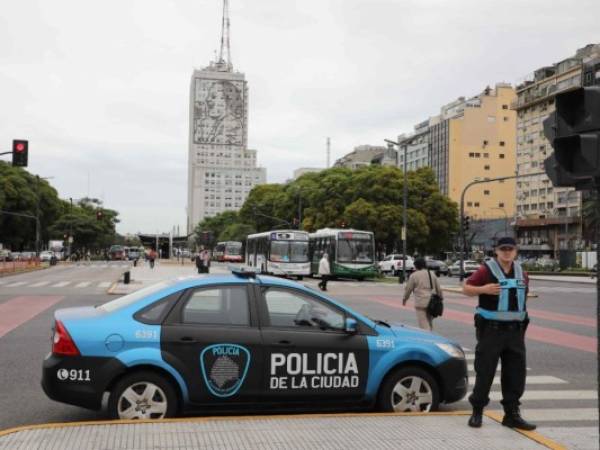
(558,414)
(531,379)
(551,395)
(19,310)
(18,283)
(471,368)
(104,284)
(83,284)
(61,284)
(534,332)
(38,284)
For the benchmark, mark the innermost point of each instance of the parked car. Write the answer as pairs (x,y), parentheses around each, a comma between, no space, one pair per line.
(133,253)
(470,267)
(243,340)
(439,267)
(117,252)
(393,264)
(46,256)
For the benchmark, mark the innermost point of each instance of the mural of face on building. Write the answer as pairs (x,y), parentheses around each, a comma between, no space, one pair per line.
(219,112)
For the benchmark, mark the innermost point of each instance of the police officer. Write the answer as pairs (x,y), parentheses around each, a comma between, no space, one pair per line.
(500,322)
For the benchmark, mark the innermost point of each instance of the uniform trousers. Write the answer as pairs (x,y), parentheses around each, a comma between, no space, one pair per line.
(504,342)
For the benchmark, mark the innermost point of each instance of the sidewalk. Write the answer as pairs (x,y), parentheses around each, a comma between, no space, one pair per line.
(143,275)
(304,431)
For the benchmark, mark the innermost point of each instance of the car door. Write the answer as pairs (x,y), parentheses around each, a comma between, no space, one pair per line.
(211,338)
(308,355)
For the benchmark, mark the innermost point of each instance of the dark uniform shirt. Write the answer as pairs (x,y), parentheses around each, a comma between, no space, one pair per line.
(484,276)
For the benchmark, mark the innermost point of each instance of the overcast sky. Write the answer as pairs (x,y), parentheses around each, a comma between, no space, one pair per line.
(100,88)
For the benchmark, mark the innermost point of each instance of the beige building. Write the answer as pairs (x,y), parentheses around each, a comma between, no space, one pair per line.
(475,138)
(548,218)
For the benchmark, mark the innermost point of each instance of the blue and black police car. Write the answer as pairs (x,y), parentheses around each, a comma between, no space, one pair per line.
(243,340)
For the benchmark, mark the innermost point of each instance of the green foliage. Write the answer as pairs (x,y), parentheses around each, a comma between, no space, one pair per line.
(236,232)
(369,198)
(24,193)
(215,226)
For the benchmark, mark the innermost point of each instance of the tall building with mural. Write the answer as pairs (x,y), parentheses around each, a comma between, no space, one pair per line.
(221,169)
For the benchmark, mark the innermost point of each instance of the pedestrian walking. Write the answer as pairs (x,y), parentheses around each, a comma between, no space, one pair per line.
(151,258)
(422,283)
(199,263)
(206,260)
(324,271)
(500,323)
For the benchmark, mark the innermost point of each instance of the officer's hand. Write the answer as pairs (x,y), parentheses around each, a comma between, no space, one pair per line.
(491,289)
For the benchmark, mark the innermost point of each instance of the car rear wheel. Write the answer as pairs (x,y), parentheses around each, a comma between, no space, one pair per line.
(142,395)
(410,389)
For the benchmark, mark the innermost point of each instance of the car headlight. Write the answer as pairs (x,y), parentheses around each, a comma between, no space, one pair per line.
(452,350)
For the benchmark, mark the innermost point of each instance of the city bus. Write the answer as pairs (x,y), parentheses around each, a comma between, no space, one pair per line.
(351,252)
(279,252)
(228,251)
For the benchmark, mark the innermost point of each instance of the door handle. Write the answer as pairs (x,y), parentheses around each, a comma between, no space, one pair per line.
(188,340)
(284,343)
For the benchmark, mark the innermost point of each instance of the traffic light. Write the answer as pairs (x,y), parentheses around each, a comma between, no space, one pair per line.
(466,223)
(99,215)
(574,132)
(20,149)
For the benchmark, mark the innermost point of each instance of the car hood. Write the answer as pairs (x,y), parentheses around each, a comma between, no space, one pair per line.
(417,334)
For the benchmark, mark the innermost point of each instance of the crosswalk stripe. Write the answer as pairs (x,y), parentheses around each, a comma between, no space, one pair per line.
(558,414)
(532,379)
(39,283)
(104,284)
(83,284)
(18,283)
(551,395)
(471,368)
(61,284)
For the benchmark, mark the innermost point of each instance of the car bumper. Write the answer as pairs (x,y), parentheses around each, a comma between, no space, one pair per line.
(454,378)
(79,381)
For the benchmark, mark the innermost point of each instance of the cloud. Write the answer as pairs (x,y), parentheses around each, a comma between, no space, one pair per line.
(102,88)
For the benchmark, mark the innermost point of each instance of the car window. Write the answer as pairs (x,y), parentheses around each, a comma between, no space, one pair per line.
(217,306)
(156,312)
(291,309)
(127,300)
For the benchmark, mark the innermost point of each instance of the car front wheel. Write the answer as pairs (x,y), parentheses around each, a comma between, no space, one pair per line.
(142,395)
(409,389)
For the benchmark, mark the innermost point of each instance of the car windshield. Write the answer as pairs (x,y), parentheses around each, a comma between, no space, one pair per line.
(127,300)
(234,249)
(355,250)
(289,251)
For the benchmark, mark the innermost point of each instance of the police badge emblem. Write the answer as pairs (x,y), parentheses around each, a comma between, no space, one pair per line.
(224,368)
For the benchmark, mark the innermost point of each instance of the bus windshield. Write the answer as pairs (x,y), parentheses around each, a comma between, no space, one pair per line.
(233,249)
(355,251)
(289,251)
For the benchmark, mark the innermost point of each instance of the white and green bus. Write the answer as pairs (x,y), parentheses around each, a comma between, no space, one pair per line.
(351,252)
(279,252)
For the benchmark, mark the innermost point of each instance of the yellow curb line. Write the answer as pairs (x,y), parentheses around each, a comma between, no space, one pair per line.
(533,435)
(220,418)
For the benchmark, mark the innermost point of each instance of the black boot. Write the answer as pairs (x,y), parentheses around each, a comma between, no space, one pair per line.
(513,419)
(476,418)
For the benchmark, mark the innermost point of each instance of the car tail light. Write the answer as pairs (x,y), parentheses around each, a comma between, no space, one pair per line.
(62,344)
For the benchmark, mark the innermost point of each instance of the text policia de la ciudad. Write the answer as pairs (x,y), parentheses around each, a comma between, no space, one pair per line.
(313,371)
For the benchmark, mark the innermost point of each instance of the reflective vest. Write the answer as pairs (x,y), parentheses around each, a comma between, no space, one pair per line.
(518,283)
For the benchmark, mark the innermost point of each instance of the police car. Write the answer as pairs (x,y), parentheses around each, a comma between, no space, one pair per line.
(243,340)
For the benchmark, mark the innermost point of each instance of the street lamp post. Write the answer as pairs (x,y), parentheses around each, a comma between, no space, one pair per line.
(404,208)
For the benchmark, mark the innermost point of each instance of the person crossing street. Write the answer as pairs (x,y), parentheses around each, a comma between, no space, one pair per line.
(324,271)
(500,322)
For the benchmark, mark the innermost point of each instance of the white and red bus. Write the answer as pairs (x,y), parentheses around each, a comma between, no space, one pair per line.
(229,251)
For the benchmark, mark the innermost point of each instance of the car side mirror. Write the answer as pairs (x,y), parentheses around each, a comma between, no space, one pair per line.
(351,326)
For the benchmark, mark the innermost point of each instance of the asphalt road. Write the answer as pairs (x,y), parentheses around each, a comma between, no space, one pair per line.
(561,393)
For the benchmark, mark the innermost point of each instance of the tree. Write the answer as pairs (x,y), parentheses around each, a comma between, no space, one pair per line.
(213,227)
(236,232)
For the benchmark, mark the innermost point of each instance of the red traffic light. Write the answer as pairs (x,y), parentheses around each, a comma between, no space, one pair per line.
(19,147)
(20,153)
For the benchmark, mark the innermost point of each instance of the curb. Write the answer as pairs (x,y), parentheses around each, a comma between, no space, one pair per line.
(18,272)
(535,436)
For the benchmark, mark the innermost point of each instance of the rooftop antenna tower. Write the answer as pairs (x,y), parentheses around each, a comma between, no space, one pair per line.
(225,47)
(328,152)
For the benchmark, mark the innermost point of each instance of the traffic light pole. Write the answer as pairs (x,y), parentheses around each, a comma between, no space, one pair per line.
(463,243)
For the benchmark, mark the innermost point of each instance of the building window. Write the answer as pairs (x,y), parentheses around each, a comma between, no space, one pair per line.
(476,204)
(505,119)
(486,192)
(477,155)
(471,155)
(501,205)
(501,156)
(485,143)
(486,155)
(469,203)
(504,106)
(501,143)
(486,167)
